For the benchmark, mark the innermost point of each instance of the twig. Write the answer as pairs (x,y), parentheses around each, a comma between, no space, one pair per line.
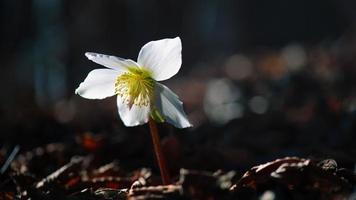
(10,159)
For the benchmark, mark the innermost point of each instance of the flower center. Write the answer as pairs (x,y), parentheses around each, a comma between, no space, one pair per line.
(135,87)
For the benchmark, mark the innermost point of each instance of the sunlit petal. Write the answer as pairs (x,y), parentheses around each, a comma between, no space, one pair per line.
(112,62)
(134,116)
(162,57)
(170,107)
(99,84)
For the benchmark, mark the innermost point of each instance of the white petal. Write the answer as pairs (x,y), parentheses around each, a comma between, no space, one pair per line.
(162,57)
(112,62)
(99,84)
(169,105)
(134,116)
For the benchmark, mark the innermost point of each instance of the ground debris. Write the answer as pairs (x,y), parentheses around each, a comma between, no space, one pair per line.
(81,178)
(156,192)
(322,179)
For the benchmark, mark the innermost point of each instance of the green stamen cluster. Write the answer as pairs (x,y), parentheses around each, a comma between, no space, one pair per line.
(135,87)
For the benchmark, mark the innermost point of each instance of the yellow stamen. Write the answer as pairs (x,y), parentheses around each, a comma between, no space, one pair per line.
(136,86)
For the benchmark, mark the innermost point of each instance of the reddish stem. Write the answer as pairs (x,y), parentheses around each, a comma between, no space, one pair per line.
(158,151)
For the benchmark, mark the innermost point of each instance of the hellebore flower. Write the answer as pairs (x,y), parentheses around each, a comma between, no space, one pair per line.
(139,95)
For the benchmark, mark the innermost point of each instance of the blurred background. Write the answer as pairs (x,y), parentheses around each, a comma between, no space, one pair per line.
(259,80)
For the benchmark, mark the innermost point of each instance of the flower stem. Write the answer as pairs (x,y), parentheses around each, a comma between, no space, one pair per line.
(158,151)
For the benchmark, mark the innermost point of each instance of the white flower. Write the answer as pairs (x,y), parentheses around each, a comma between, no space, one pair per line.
(139,95)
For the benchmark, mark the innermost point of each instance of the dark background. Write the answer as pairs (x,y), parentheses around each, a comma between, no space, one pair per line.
(260,79)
